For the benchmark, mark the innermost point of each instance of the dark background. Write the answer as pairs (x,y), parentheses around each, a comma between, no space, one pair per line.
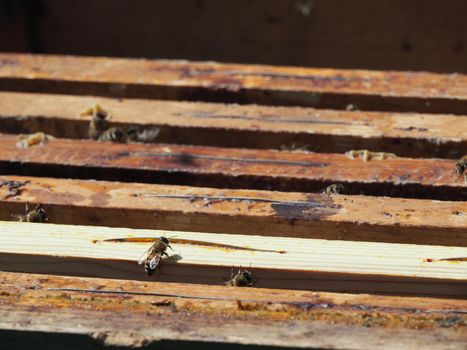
(370,34)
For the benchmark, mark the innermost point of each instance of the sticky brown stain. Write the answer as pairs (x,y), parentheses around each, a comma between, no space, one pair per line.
(186,159)
(50,196)
(225,247)
(8,62)
(317,207)
(100,199)
(451,260)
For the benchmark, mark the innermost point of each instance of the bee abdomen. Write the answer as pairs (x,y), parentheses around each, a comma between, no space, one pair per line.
(148,269)
(113,135)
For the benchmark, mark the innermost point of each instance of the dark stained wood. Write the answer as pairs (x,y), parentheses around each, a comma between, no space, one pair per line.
(234,168)
(252,126)
(240,211)
(163,79)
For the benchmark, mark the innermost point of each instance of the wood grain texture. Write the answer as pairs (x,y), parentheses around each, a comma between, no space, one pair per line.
(252,126)
(233,168)
(146,312)
(304,263)
(126,313)
(163,79)
(357,218)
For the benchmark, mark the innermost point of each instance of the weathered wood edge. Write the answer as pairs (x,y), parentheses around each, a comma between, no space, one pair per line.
(230,125)
(185,80)
(233,168)
(140,317)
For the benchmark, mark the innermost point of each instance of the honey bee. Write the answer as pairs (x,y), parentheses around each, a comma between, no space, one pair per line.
(243,278)
(152,257)
(461,166)
(366,155)
(38,138)
(114,134)
(333,189)
(134,134)
(98,123)
(38,214)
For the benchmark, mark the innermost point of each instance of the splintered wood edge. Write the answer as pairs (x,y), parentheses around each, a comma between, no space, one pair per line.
(242,126)
(242,83)
(276,261)
(146,313)
(357,218)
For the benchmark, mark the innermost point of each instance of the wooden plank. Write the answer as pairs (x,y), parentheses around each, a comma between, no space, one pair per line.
(163,79)
(276,262)
(153,310)
(227,125)
(357,218)
(239,168)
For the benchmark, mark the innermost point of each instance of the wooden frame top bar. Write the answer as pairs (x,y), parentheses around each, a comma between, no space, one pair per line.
(145,313)
(277,262)
(306,215)
(245,83)
(235,168)
(251,126)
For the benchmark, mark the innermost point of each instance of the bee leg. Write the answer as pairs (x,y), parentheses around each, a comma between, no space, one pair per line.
(169,246)
(232,274)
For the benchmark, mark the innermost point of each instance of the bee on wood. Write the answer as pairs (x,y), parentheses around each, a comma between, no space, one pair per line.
(135,134)
(333,189)
(98,123)
(461,166)
(243,278)
(152,257)
(366,155)
(38,214)
(114,134)
(38,138)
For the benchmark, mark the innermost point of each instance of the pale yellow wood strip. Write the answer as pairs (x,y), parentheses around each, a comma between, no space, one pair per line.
(307,255)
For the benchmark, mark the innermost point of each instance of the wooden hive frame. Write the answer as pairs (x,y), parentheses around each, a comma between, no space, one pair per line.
(236,175)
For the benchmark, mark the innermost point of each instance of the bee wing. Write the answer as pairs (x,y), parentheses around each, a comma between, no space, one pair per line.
(148,135)
(155,261)
(18,217)
(143,257)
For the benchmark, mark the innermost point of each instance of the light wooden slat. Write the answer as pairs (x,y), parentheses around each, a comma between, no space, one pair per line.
(243,83)
(227,167)
(306,263)
(105,307)
(358,218)
(228,125)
